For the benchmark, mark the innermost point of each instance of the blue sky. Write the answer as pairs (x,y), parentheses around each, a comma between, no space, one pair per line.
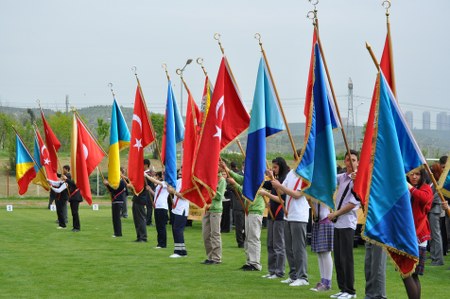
(53,48)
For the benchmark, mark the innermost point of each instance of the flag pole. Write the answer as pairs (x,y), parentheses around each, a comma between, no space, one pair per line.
(217,38)
(427,168)
(387,4)
(316,28)
(294,149)
(148,115)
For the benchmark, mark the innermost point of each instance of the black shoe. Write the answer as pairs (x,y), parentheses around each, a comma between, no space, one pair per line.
(206,262)
(249,268)
(214,263)
(240,245)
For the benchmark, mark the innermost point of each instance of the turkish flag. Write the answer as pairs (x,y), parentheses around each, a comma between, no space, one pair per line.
(236,118)
(88,154)
(45,158)
(53,143)
(141,136)
(189,188)
(227,118)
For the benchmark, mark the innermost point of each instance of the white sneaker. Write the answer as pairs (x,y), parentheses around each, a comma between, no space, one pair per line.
(158,247)
(289,280)
(299,282)
(336,295)
(267,275)
(273,276)
(175,256)
(346,296)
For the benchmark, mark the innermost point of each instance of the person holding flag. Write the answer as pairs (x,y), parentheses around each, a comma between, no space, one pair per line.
(74,196)
(421,199)
(344,218)
(118,197)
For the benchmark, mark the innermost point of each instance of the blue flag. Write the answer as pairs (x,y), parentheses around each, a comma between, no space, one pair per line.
(173,133)
(317,165)
(265,121)
(389,152)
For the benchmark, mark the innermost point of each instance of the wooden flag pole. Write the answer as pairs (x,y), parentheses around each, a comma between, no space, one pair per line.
(294,149)
(344,137)
(427,168)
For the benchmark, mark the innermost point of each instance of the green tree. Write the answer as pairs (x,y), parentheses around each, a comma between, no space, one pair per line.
(102,130)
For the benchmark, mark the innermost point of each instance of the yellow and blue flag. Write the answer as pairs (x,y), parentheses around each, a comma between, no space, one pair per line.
(173,133)
(119,139)
(317,165)
(265,120)
(25,171)
(389,152)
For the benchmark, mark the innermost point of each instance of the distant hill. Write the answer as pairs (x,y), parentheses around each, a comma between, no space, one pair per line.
(432,142)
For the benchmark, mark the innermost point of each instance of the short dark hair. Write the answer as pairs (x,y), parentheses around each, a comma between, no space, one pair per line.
(147,162)
(66,167)
(233,164)
(443,160)
(353,152)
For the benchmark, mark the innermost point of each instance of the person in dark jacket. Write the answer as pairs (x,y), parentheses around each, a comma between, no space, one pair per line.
(118,197)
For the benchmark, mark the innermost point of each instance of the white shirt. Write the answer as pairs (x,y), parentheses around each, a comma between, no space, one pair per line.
(180,205)
(161,195)
(297,208)
(349,219)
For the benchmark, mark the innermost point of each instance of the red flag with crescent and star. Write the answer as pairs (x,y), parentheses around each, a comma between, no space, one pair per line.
(141,136)
(86,155)
(53,143)
(45,158)
(227,118)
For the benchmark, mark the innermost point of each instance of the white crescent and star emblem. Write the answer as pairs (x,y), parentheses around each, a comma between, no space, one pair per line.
(138,144)
(138,120)
(220,104)
(46,161)
(86,152)
(42,149)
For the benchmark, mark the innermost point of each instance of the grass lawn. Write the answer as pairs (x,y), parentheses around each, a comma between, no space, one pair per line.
(39,261)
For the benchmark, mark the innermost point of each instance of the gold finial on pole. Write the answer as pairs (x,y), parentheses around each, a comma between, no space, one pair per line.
(258,38)
(164,66)
(387,5)
(217,38)
(110,85)
(312,14)
(200,62)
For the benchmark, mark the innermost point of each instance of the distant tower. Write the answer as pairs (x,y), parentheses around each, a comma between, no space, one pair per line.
(409,119)
(426,124)
(67,103)
(350,119)
(441,121)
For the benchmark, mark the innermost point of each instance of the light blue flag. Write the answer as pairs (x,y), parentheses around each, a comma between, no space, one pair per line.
(389,218)
(265,120)
(173,133)
(317,166)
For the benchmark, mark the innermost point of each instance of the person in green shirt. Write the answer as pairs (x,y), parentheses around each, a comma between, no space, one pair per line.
(253,223)
(211,225)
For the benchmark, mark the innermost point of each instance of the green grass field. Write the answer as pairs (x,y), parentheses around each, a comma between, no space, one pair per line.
(39,261)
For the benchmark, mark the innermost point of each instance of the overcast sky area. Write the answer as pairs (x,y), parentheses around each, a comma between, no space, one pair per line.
(50,49)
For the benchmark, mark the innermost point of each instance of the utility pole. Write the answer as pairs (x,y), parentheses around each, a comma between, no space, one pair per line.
(350,116)
(67,103)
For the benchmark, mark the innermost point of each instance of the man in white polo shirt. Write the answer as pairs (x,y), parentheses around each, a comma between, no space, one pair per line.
(296,216)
